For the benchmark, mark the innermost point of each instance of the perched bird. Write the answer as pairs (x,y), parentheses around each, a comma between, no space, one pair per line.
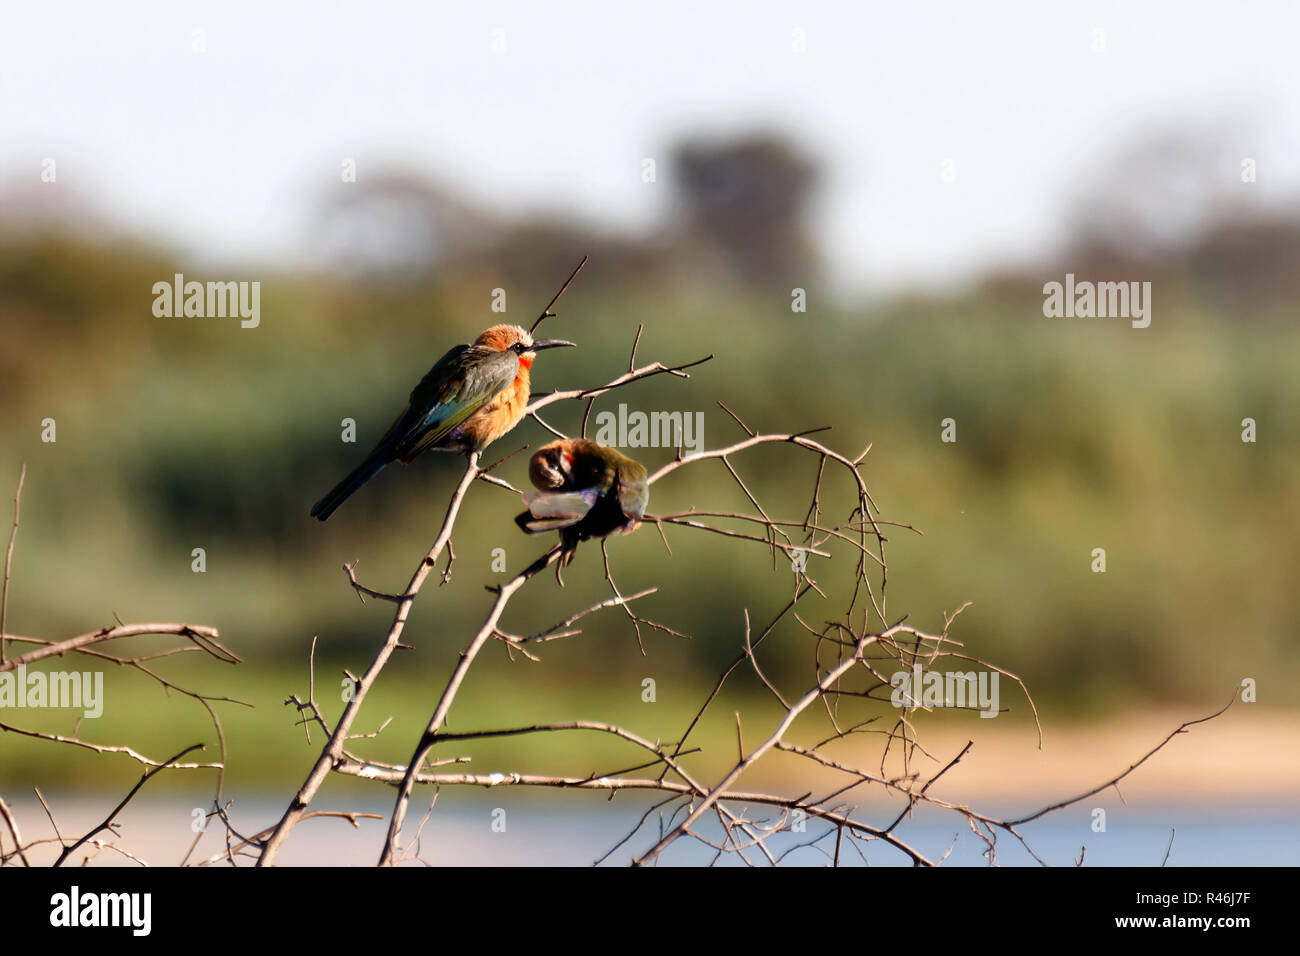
(584,490)
(470,398)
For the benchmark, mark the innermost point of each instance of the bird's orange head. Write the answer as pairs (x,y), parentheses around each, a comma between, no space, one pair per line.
(512,338)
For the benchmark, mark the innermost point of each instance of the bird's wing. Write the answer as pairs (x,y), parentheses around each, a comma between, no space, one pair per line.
(633,492)
(461,382)
(552,510)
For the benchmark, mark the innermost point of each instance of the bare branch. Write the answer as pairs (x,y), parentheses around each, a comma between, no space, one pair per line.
(333,750)
(546,312)
(9,557)
(205,637)
(108,820)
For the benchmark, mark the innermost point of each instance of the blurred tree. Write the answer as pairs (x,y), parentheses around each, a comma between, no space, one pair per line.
(745,201)
(1157,193)
(530,253)
(1174,206)
(397,223)
(1249,264)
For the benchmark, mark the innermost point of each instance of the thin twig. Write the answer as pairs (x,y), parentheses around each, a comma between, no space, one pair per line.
(9,557)
(546,312)
(108,820)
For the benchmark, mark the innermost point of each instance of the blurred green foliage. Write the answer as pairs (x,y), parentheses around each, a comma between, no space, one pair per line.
(176,434)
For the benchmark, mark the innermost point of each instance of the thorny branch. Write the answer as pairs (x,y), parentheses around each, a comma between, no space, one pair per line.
(333,753)
(93,644)
(71,848)
(848,695)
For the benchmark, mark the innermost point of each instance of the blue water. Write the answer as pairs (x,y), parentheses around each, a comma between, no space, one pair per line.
(1202,836)
(511,826)
(581,829)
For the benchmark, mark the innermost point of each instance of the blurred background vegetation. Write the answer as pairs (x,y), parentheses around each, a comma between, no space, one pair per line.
(1073,434)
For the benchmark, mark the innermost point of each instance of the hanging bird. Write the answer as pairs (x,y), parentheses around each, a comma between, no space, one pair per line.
(584,490)
(470,398)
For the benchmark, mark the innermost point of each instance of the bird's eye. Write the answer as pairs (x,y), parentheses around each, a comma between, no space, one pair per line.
(519,348)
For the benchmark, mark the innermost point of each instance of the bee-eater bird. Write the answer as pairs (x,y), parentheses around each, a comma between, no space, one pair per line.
(470,398)
(584,490)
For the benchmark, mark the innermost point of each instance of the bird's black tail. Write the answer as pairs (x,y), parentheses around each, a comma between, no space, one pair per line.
(344,489)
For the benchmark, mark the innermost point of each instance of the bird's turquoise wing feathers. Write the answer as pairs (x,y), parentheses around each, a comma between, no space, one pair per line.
(458,385)
(461,382)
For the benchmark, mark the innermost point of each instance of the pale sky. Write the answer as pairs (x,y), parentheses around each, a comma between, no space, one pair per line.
(222,151)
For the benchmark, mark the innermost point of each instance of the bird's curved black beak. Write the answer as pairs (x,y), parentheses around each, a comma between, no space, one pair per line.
(539,344)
